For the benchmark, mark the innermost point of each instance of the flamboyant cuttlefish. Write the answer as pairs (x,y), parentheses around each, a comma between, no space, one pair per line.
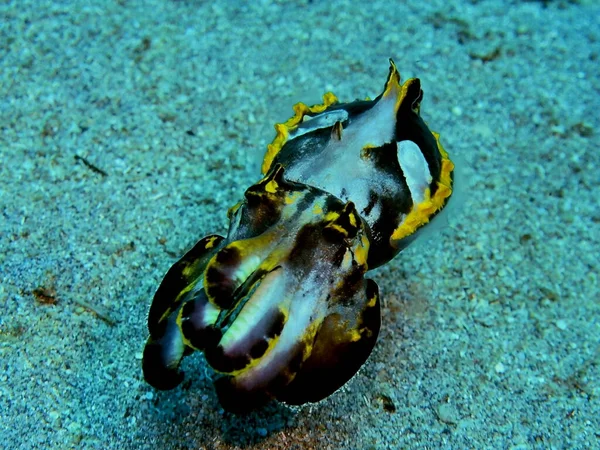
(280,307)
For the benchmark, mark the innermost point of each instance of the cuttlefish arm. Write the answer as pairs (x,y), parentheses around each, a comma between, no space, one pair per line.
(165,347)
(313,315)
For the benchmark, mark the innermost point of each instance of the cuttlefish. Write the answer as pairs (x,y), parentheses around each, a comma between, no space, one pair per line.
(281,307)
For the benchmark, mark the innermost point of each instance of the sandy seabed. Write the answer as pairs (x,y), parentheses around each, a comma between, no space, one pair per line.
(127,128)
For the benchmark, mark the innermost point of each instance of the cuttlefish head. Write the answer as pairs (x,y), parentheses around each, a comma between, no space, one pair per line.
(281,311)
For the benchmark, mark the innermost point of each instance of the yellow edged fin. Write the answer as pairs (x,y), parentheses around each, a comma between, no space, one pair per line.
(282,130)
(424,211)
